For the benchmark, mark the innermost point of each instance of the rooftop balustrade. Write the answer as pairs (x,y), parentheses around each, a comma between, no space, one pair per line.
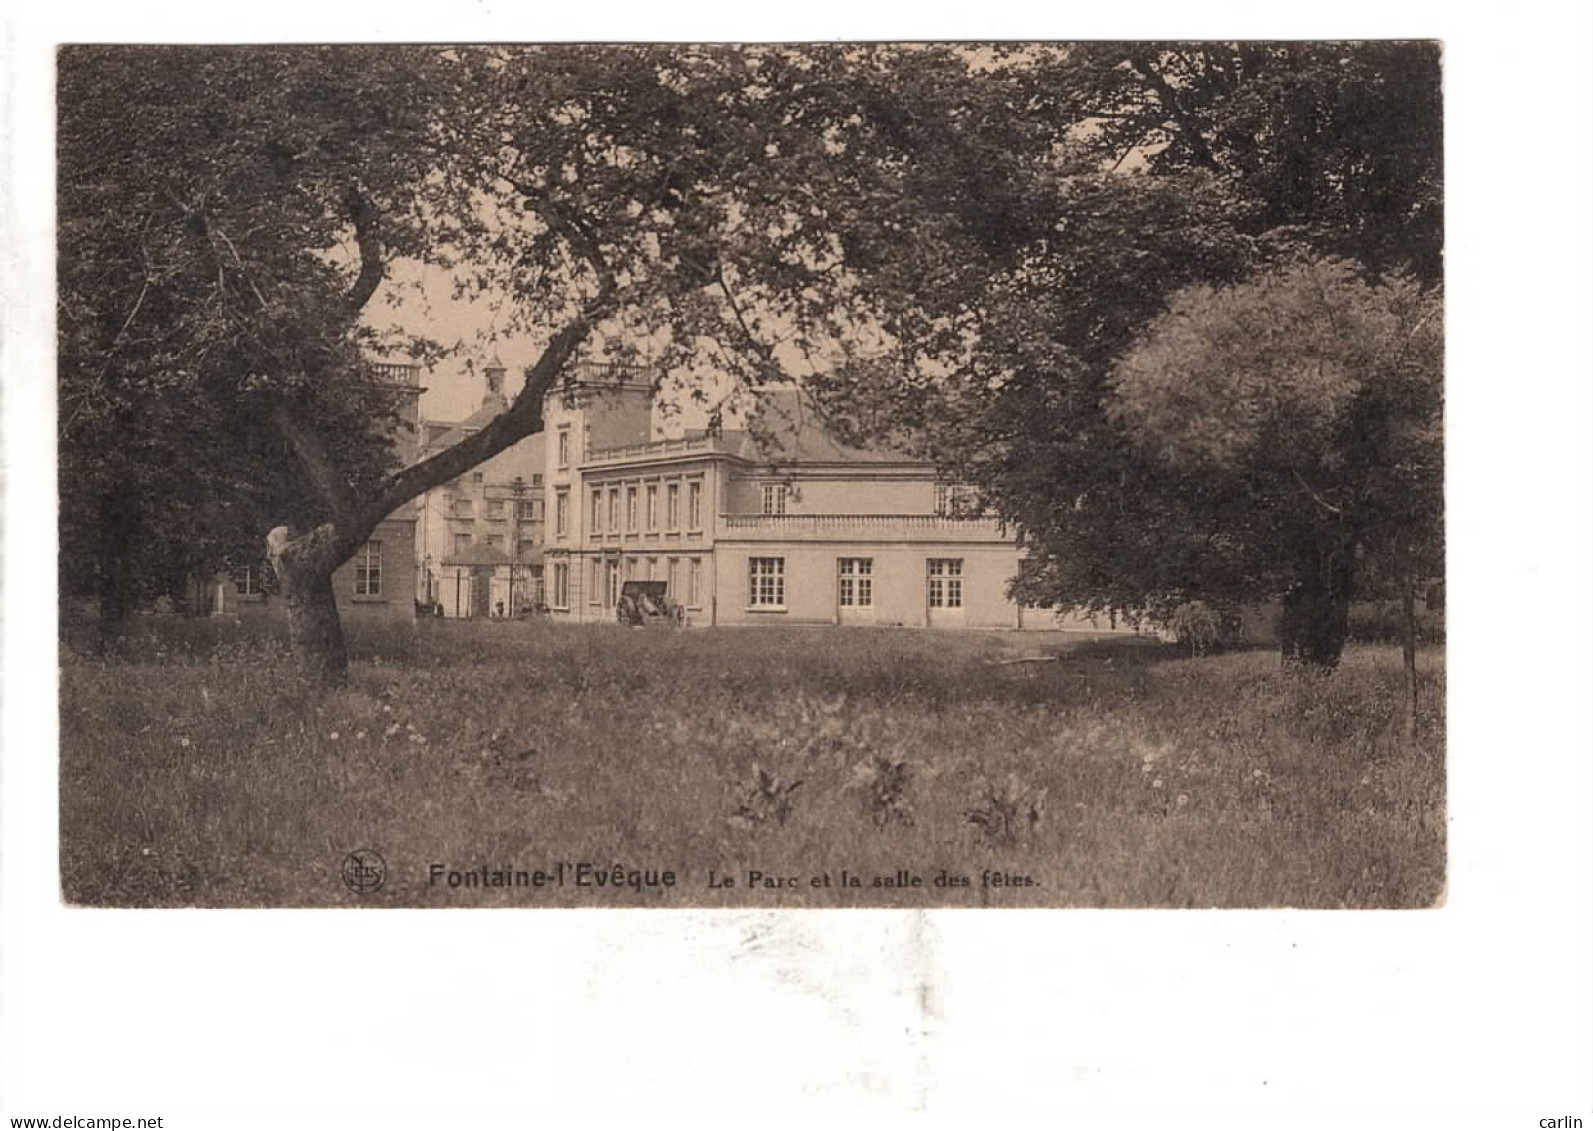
(930,526)
(697,445)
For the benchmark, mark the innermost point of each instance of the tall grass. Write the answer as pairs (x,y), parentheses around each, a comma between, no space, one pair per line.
(198,769)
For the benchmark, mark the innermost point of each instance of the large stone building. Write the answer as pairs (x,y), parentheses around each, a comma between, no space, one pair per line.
(769,522)
(772,523)
(480,536)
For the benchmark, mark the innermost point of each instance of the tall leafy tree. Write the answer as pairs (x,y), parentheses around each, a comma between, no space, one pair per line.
(1307,406)
(1172,167)
(1337,146)
(211,375)
(228,215)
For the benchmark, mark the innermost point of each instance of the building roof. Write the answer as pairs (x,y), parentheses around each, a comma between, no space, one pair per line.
(475,422)
(493,404)
(789,427)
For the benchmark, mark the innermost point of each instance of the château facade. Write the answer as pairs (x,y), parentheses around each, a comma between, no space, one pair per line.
(772,523)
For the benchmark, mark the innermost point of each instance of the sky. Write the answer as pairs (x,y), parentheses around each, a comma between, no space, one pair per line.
(418,300)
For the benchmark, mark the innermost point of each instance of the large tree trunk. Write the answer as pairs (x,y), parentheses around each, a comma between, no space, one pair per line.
(315,627)
(304,571)
(114,586)
(1316,608)
(1408,603)
(304,562)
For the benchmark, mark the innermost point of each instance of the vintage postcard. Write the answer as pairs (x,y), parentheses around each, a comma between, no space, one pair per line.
(779,476)
(894,572)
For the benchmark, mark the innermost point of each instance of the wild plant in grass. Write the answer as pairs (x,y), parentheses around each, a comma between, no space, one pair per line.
(767,798)
(503,763)
(1008,813)
(883,781)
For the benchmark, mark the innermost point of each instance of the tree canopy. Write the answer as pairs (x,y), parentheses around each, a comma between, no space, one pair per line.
(967,243)
(1206,179)
(1302,413)
(206,331)
(229,214)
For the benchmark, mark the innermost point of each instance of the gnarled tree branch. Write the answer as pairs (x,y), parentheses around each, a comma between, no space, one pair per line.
(364,216)
(1169,97)
(1316,498)
(316,461)
(522,418)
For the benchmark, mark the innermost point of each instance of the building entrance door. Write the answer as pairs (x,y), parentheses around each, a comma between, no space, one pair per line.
(481,593)
(455,591)
(943,593)
(854,591)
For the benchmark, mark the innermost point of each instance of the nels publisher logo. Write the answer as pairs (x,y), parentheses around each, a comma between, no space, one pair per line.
(364,871)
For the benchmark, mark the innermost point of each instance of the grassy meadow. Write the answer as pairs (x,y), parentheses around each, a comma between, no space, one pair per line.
(197,769)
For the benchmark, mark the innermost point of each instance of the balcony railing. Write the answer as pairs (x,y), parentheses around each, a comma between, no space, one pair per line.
(873,525)
(396,373)
(658,448)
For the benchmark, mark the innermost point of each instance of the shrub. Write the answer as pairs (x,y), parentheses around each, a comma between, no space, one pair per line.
(1196,626)
(767,798)
(1008,813)
(883,781)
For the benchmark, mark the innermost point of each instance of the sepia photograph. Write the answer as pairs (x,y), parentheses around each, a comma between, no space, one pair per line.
(837,561)
(783,475)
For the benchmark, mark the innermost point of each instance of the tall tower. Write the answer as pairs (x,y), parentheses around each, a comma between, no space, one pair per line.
(599,407)
(494,372)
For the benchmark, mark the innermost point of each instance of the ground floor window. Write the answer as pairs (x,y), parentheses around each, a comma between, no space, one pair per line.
(561,585)
(672,578)
(611,591)
(945,583)
(694,582)
(368,570)
(857,583)
(249,581)
(595,589)
(766,583)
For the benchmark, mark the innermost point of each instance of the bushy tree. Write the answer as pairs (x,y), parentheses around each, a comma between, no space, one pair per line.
(212,376)
(1308,405)
(1183,170)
